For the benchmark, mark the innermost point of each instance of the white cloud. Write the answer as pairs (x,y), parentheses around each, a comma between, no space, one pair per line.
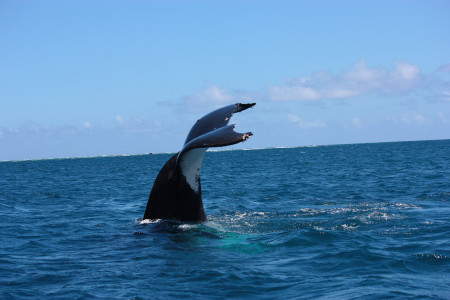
(38,128)
(442,117)
(294,118)
(35,130)
(401,79)
(142,126)
(439,85)
(445,96)
(358,80)
(444,68)
(87,124)
(405,72)
(210,97)
(137,125)
(412,118)
(293,93)
(356,122)
(359,72)
(409,118)
(316,123)
(119,120)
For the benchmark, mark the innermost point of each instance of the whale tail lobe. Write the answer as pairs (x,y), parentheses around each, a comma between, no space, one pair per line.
(176,192)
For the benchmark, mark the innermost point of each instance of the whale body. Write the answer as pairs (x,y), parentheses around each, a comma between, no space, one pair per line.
(176,192)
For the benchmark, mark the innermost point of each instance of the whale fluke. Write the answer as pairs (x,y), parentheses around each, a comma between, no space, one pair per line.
(176,192)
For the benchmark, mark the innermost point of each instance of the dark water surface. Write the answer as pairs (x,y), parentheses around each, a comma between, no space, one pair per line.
(346,221)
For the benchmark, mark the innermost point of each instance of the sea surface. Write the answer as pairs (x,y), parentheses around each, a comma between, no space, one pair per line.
(361,221)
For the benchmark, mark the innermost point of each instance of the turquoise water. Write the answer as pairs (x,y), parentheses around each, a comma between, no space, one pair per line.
(345,221)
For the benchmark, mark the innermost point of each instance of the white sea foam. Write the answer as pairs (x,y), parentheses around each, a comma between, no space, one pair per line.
(187,226)
(148,221)
(349,227)
(215,225)
(405,205)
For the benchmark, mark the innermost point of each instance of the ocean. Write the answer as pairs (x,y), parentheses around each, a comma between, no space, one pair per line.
(360,221)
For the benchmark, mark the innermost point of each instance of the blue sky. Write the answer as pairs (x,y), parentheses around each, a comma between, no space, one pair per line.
(106,77)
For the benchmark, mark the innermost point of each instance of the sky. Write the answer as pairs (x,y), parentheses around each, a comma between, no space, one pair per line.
(107,77)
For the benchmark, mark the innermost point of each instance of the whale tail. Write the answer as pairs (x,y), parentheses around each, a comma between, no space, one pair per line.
(176,192)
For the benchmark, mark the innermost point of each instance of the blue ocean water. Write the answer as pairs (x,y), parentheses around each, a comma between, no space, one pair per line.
(329,222)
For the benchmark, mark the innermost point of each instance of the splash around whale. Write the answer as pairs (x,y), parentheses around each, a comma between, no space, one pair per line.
(176,192)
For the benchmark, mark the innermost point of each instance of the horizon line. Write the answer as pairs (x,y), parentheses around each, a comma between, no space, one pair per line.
(215,150)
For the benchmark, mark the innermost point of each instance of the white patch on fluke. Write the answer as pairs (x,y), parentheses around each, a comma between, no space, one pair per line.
(191,164)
